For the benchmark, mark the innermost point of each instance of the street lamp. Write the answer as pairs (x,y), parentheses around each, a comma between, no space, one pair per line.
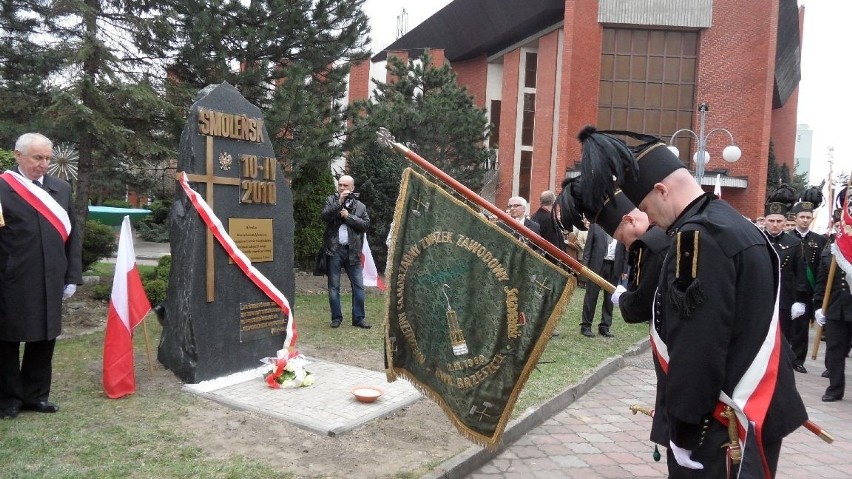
(731,153)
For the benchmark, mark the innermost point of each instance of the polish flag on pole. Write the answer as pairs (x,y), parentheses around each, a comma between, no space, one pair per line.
(368,266)
(718,190)
(128,305)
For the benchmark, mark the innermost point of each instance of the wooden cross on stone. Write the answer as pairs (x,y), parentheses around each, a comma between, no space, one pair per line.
(209,179)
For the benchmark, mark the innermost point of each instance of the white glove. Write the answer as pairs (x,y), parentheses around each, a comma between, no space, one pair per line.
(819,317)
(682,456)
(616,295)
(797,310)
(69,291)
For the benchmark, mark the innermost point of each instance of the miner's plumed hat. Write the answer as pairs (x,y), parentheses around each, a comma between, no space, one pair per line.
(607,213)
(809,200)
(612,212)
(780,200)
(636,169)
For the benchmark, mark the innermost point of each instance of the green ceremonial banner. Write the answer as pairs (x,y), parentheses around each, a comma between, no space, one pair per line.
(470,308)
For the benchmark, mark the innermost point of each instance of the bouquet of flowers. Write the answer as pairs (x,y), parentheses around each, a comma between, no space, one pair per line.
(288,372)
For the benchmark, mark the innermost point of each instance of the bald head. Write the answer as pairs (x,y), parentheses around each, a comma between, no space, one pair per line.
(667,200)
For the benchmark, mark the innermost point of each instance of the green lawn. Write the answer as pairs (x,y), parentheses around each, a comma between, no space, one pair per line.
(141,437)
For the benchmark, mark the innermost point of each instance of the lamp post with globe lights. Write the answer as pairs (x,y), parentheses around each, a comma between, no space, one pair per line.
(731,153)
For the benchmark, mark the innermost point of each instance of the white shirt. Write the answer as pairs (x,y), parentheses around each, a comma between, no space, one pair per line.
(610,249)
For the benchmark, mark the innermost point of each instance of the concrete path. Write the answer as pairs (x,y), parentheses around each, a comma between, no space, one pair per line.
(597,436)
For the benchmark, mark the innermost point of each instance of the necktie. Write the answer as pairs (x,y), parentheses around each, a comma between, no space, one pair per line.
(37,183)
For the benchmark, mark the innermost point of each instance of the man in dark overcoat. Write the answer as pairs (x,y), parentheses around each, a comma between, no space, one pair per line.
(715,329)
(40,265)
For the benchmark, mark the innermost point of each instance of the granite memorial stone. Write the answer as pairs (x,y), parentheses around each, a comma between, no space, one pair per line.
(216,320)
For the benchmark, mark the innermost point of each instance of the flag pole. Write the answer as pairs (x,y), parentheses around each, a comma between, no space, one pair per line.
(828,284)
(148,345)
(386,139)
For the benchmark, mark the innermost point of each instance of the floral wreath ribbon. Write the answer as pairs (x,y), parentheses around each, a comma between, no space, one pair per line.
(261,281)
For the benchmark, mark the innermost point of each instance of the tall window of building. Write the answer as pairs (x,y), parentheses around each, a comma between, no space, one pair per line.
(494,137)
(648,83)
(527,104)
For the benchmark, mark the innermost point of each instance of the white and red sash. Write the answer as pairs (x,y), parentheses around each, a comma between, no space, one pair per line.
(215,226)
(753,393)
(41,200)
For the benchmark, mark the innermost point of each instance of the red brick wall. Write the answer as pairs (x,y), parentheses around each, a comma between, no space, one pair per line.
(508,124)
(581,71)
(473,74)
(359,81)
(736,71)
(544,113)
(402,55)
(438,58)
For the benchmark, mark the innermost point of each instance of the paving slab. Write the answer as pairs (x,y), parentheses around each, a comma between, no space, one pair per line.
(326,407)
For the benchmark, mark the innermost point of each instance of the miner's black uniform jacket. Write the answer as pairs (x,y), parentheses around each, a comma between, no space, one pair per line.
(714,324)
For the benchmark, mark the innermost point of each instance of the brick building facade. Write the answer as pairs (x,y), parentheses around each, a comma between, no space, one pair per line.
(546,68)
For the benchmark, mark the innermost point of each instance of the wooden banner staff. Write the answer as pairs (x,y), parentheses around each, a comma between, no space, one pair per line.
(825,297)
(386,139)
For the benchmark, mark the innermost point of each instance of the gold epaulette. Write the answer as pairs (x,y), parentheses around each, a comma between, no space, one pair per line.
(686,294)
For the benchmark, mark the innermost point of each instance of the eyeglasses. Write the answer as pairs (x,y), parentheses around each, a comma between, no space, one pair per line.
(516,206)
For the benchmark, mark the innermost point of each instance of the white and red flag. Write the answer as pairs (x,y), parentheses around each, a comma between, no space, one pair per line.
(368,267)
(718,189)
(128,305)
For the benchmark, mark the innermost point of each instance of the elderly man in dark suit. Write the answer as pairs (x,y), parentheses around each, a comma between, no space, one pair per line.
(517,209)
(40,265)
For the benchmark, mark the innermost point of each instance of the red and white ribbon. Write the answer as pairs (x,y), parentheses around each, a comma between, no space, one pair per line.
(41,200)
(243,262)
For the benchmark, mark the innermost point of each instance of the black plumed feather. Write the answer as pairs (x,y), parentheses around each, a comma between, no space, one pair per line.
(784,194)
(813,195)
(606,161)
(571,211)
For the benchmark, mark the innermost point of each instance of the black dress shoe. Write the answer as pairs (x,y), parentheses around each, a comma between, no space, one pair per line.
(800,368)
(831,398)
(824,373)
(10,412)
(605,333)
(362,324)
(587,332)
(41,406)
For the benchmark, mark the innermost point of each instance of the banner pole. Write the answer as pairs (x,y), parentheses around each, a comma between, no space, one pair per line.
(387,139)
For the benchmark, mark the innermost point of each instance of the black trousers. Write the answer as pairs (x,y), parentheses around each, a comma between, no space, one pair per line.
(27,380)
(795,331)
(837,336)
(590,300)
